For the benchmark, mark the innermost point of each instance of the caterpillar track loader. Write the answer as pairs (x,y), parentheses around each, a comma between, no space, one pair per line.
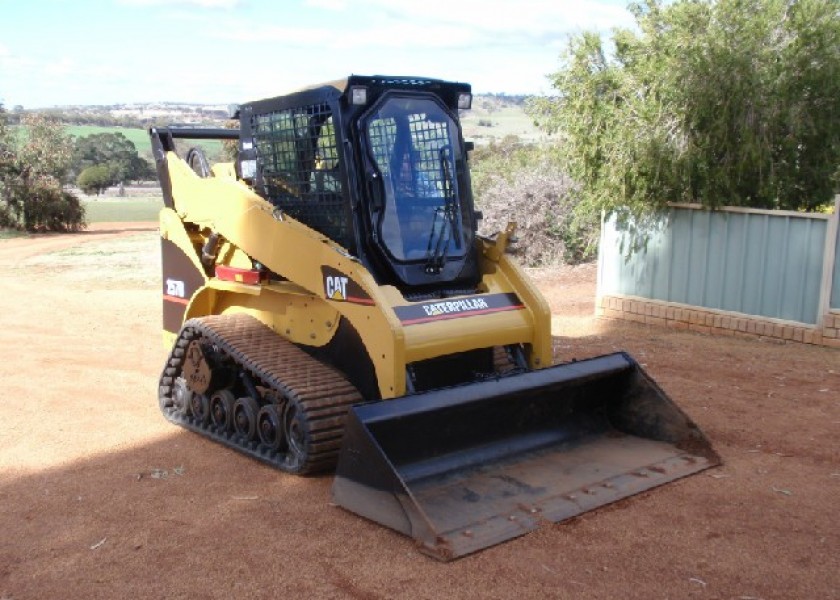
(330,306)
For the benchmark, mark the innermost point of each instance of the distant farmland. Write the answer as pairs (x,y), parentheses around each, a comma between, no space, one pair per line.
(492,117)
(140,139)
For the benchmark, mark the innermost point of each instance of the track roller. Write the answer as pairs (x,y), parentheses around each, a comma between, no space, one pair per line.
(221,409)
(270,427)
(200,408)
(245,412)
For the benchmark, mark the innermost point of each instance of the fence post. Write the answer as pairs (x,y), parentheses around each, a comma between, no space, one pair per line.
(829,256)
(599,273)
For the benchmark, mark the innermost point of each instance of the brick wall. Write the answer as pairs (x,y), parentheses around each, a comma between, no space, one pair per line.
(703,320)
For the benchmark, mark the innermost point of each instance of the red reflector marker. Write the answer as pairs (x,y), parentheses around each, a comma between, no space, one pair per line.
(249,276)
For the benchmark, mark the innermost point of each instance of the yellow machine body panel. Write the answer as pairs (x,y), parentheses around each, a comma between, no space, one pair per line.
(251,227)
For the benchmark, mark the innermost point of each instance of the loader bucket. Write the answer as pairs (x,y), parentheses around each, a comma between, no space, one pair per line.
(463,468)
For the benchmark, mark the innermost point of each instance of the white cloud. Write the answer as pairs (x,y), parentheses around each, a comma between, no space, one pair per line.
(531,19)
(486,43)
(385,35)
(227,4)
(46,80)
(294,36)
(435,24)
(336,5)
(13,63)
(60,68)
(257,51)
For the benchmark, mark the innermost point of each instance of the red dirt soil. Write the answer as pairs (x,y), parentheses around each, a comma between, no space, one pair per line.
(102,498)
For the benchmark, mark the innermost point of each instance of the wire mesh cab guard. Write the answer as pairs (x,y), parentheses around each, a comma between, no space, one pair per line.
(297,164)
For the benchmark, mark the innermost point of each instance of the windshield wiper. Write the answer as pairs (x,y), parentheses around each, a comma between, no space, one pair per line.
(438,241)
(441,235)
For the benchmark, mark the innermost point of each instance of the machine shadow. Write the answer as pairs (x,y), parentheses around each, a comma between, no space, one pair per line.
(168,518)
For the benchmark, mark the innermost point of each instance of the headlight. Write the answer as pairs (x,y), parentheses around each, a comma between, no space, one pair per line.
(358,95)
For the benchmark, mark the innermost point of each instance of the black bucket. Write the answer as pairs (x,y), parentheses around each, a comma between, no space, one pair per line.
(463,468)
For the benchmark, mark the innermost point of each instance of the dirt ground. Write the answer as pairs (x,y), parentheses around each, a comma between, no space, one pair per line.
(101,498)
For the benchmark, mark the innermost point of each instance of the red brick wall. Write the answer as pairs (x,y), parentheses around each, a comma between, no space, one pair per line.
(704,320)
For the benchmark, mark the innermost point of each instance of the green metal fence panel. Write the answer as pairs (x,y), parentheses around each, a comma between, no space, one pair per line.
(751,262)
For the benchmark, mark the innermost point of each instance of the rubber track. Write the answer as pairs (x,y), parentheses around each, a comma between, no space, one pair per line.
(321,392)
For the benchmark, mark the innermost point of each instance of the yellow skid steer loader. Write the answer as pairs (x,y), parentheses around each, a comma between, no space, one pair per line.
(329,306)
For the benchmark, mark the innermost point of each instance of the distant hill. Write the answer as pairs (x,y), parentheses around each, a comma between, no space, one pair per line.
(493,116)
(496,116)
(134,116)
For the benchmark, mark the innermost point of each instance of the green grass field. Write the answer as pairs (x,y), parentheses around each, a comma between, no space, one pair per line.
(503,121)
(111,210)
(140,139)
(121,210)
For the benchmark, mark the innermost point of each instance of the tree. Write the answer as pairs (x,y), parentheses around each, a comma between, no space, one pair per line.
(95,179)
(6,144)
(47,151)
(31,196)
(114,151)
(719,102)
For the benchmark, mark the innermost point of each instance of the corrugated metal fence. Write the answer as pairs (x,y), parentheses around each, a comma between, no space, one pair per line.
(773,264)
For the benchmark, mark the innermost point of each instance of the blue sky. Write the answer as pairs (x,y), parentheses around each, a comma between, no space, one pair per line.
(60,52)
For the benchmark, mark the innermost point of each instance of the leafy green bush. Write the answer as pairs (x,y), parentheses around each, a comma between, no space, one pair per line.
(711,101)
(95,179)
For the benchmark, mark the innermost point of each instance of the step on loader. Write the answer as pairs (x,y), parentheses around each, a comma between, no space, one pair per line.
(329,306)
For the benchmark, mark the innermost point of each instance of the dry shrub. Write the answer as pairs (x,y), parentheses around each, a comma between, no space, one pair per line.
(541,200)
(54,209)
(38,203)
